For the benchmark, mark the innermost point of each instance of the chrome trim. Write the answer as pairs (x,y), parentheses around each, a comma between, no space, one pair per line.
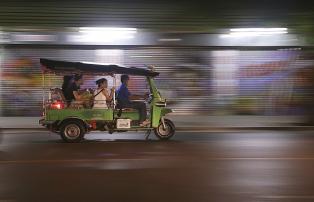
(163,122)
(161,104)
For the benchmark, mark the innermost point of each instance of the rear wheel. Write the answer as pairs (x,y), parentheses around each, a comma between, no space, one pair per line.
(72,131)
(165,133)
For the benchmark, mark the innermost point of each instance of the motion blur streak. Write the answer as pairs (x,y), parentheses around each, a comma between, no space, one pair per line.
(214,59)
(238,74)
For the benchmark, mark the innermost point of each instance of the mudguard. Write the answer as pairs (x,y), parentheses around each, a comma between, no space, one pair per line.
(165,111)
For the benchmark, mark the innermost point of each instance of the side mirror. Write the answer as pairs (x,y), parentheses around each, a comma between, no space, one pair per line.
(151,67)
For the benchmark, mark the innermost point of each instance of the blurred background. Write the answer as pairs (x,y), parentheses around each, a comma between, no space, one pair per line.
(220,59)
(223,64)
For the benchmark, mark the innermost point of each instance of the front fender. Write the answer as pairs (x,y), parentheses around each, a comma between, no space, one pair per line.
(165,111)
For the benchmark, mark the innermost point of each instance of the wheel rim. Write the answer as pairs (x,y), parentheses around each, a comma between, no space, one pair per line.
(164,131)
(72,131)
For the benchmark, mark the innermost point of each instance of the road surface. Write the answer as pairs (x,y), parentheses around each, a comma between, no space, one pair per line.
(193,166)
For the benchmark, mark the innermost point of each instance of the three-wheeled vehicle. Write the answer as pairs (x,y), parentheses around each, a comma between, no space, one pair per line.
(73,122)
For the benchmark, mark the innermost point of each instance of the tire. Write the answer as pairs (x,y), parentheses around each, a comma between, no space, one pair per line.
(72,131)
(167,133)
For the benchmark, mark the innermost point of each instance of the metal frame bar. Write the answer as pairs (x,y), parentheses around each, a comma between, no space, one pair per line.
(114,92)
(43,92)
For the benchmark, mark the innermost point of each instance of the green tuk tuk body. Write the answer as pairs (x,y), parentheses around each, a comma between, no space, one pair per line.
(73,123)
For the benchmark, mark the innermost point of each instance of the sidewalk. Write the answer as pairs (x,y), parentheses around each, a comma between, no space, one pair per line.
(186,122)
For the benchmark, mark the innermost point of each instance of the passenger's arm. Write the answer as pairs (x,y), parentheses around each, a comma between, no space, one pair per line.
(138,97)
(77,96)
(108,97)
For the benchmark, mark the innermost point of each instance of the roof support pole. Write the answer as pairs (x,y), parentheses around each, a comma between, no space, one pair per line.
(114,92)
(43,92)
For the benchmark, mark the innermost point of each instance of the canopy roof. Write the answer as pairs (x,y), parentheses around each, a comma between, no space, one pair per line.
(92,68)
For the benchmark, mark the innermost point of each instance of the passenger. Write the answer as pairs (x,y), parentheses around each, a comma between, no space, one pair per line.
(71,93)
(67,79)
(124,98)
(101,95)
(66,82)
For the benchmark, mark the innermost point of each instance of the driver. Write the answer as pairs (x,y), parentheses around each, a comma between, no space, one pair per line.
(124,98)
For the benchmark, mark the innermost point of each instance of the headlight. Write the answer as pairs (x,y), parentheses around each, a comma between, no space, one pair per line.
(161,104)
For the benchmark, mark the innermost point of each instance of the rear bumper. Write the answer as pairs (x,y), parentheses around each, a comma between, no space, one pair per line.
(44,122)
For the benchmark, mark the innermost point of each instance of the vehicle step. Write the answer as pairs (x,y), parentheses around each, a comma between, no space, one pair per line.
(134,128)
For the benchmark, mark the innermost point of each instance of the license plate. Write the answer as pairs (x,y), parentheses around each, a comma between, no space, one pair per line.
(123,123)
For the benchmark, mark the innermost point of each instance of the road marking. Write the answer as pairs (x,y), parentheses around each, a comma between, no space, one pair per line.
(287,197)
(137,159)
(263,158)
(64,161)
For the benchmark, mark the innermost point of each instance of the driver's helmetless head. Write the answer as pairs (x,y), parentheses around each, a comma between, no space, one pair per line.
(78,78)
(125,79)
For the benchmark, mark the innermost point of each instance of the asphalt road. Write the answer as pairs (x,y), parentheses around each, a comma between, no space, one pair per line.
(241,166)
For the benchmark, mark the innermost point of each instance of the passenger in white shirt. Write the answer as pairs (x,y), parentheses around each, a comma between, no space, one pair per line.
(101,94)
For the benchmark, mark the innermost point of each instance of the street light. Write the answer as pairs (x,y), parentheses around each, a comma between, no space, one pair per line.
(105,34)
(252,32)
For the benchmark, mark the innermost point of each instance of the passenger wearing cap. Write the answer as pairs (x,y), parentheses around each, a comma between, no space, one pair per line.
(101,94)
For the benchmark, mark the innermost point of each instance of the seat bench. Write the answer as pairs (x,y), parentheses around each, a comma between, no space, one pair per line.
(128,110)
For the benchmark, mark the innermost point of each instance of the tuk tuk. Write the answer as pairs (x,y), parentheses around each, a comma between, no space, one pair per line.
(73,122)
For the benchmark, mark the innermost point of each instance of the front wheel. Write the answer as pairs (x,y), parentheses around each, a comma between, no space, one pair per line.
(72,131)
(165,133)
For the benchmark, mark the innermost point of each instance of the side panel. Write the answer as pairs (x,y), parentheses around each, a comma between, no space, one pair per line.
(133,115)
(155,111)
(156,115)
(84,114)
